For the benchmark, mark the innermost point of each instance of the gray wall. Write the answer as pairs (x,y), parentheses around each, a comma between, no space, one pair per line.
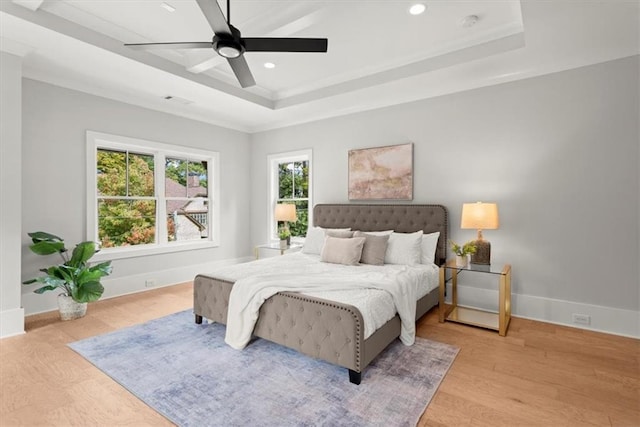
(55,121)
(558,153)
(11,313)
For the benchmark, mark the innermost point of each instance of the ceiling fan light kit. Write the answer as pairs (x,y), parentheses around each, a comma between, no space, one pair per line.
(229,46)
(228,42)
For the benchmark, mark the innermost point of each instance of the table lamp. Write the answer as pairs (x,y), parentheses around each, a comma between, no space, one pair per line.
(481,216)
(286,213)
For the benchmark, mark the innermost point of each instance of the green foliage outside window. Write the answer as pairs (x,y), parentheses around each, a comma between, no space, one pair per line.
(177,170)
(124,220)
(293,180)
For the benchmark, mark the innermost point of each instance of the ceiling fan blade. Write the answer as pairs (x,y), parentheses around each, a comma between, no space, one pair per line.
(170,45)
(241,70)
(215,17)
(291,44)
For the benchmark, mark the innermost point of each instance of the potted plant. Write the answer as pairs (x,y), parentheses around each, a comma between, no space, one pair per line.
(79,282)
(284,235)
(463,253)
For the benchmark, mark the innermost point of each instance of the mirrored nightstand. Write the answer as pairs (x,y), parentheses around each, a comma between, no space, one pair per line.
(269,247)
(475,316)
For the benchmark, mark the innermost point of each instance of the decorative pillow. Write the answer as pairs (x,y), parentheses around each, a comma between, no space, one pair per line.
(315,239)
(342,251)
(429,246)
(404,248)
(374,248)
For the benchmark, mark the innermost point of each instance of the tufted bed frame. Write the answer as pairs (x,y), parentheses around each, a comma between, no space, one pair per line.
(325,329)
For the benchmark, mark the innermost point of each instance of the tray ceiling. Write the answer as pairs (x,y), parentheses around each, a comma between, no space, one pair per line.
(379,54)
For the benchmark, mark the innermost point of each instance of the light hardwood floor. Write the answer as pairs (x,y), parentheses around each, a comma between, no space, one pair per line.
(538,375)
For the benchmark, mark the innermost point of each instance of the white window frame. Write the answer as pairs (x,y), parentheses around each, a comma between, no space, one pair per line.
(273,160)
(97,140)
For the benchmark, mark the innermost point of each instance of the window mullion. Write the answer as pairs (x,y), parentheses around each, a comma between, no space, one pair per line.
(126,174)
(161,203)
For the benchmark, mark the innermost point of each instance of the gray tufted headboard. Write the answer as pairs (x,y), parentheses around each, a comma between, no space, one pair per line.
(400,218)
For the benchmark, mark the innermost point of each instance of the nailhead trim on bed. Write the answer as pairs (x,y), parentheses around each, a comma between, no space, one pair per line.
(357,317)
(326,337)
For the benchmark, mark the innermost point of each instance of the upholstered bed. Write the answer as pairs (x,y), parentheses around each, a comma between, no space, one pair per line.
(325,329)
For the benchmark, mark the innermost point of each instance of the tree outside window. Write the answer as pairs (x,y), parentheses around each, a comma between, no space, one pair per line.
(150,197)
(291,183)
(126,198)
(293,187)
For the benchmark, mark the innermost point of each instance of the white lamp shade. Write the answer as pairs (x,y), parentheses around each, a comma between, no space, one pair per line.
(286,212)
(480,216)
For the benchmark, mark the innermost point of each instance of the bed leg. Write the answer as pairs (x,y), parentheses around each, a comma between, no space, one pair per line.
(198,319)
(355,377)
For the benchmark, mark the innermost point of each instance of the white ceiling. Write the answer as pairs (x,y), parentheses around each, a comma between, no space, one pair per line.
(378,54)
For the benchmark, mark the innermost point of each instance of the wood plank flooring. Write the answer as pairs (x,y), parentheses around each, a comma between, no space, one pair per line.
(538,375)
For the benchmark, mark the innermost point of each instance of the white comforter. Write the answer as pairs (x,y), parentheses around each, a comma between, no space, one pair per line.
(257,281)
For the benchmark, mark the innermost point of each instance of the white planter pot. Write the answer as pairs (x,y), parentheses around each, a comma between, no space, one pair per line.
(463,261)
(70,309)
(283,244)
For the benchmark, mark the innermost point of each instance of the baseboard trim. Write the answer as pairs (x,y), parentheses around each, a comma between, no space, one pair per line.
(119,286)
(608,320)
(603,319)
(11,322)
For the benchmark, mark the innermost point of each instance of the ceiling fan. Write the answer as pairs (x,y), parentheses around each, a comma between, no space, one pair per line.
(228,43)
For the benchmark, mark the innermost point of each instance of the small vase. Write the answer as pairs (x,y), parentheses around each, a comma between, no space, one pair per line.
(70,309)
(462,260)
(283,244)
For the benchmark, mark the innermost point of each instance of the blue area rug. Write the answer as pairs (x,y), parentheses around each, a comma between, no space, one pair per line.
(187,373)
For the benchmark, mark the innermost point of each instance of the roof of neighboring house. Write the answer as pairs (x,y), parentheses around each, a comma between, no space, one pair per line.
(175,189)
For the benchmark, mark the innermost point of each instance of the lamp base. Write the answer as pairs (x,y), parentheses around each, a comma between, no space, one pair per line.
(483,253)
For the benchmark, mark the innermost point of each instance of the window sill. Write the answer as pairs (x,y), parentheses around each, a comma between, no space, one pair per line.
(146,250)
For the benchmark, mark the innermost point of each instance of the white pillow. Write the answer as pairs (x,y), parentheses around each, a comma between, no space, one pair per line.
(429,246)
(379,233)
(342,251)
(404,248)
(314,240)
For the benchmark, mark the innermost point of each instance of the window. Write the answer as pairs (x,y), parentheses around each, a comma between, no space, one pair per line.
(146,197)
(291,183)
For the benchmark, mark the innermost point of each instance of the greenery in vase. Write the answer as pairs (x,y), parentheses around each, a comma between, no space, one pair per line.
(284,233)
(464,250)
(74,276)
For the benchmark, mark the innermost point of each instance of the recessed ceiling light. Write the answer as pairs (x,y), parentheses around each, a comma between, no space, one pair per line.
(417,9)
(269,65)
(168,7)
(469,21)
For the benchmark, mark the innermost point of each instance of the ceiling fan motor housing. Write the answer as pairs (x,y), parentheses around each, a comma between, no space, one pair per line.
(229,45)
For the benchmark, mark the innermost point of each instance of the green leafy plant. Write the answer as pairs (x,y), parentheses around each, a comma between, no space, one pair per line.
(74,276)
(283,233)
(464,250)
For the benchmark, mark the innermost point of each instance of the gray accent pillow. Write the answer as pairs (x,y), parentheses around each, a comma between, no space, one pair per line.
(374,249)
(342,251)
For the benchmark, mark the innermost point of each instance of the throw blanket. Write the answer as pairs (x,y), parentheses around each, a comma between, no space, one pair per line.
(248,294)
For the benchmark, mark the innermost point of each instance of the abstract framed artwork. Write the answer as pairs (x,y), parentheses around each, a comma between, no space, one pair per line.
(381,173)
